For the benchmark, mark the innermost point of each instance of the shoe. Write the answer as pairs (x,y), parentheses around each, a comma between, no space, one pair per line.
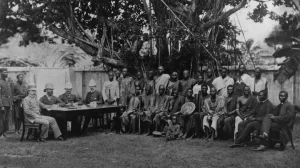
(260,148)
(263,136)
(237,145)
(60,138)
(41,140)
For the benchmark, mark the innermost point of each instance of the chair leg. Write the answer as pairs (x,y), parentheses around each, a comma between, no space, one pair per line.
(23,133)
(28,133)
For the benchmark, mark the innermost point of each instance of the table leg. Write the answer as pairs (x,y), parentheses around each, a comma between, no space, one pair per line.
(118,121)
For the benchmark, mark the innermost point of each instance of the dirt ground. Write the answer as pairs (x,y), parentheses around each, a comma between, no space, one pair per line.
(103,150)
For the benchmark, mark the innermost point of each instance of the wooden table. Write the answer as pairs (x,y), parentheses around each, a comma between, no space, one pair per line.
(67,113)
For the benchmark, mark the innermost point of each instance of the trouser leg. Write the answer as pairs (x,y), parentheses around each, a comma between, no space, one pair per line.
(2,118)
(6,119)
(45,126)
(250,127)
(87,120)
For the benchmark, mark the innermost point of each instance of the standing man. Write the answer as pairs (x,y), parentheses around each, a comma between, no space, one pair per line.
(254,122)
(140,80)
(282,120)
(19,92)
(110,90)
(244,108)
(161,79)
(197,87)
(174,83)
(209,77)
(125,86)
(260,83)
(214,108)
(242,80)
(230,103)
(32,114)
(68,98)
(222,82)
(187,82)
(92,96)
(5,103)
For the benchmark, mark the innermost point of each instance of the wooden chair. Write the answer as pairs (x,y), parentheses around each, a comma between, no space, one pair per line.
(28,126)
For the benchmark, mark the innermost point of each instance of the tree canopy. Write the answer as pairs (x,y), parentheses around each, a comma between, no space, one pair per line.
(192,32)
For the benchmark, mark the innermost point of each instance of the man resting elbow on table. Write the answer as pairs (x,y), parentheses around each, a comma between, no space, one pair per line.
(92,96)
(32,115)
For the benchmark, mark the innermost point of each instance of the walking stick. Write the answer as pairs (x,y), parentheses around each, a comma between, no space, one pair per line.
(139,118)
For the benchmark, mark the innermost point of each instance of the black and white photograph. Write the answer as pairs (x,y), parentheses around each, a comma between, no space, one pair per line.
(149,83)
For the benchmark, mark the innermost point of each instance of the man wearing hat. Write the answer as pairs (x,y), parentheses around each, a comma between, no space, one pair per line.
(92,96)
(69,98)
(19,92)
(48,99)
(5,103)
(32,114)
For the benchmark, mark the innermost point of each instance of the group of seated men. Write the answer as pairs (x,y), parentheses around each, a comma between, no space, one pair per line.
(224,107)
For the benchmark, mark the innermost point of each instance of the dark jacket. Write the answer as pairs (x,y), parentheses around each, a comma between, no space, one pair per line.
(262,109)
(53,100)
(68,98)
(5,93)
(94,96)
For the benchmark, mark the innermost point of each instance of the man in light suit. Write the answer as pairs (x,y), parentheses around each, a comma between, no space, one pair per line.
(32,115)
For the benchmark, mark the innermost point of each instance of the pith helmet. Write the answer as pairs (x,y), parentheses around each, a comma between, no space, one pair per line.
(68,85)
(32,86)
(48,86)
(92,82)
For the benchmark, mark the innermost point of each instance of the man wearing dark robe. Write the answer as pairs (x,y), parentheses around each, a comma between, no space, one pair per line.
(19,92)
(254,122)
(187,82)
(281,120)
(209,77)
(160,107)
(230,103)
(149,102)
(174,83)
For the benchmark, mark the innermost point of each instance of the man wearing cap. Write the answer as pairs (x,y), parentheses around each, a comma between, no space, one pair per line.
(69,98)
(5,103)
(32,115)
(19,92)
(92,96)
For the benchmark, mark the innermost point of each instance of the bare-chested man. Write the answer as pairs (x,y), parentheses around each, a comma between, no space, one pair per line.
(187,82)
(174,83)
(244,107)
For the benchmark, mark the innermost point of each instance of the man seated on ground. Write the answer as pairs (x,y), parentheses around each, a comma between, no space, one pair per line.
(244,108)
(32,114)
(281,120)
(68,98)
(200,108)
(254,122)
(134,106)
(214,108)
(110,94)
(160,108)
(149,101)
(173,130)
(93,96)
(187,122)
(229,118)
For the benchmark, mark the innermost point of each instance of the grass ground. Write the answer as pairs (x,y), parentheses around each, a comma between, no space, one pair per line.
(102,150)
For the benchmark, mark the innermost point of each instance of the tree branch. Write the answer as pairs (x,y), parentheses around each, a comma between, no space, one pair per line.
(224,15)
